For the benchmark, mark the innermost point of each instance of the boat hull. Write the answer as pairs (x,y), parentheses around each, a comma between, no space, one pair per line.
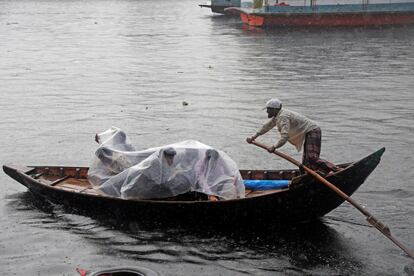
(328,20)
(306,201)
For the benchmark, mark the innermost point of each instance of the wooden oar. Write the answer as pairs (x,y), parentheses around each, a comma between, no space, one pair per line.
(370,218)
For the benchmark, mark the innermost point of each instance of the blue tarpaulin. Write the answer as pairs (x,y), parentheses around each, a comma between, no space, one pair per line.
(265,184)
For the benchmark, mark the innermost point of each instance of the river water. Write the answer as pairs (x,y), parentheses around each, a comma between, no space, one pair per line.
(69,69)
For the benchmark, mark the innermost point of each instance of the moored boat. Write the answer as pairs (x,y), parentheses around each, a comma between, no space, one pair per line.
(218,6)
(332,14)
(304,200)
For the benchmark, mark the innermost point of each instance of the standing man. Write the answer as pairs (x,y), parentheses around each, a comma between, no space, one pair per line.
(299,131)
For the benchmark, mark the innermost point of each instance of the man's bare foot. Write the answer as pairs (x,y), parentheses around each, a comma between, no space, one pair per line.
(330,173)
(336,169)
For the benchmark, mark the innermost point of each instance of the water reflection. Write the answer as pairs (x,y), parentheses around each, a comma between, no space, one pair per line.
(294,249)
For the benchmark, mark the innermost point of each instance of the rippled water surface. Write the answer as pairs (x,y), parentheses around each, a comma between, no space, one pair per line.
(69,69)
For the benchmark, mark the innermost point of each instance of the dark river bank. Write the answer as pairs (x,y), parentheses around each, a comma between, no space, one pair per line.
(69,69)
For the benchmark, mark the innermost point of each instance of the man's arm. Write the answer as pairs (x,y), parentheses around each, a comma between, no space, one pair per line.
(265,128)
(284,134)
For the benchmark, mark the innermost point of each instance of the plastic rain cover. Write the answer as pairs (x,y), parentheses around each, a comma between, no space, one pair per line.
(121,171)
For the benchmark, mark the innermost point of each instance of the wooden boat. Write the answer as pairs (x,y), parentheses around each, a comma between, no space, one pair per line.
(304,200)
(218,6)
(283,14)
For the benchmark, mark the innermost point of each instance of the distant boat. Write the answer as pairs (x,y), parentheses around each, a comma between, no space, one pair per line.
(332,13)
(218,6)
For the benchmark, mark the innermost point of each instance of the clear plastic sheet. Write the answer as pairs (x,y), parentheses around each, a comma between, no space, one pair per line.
(120,170)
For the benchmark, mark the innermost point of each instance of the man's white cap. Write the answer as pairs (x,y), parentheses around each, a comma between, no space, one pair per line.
(273,103)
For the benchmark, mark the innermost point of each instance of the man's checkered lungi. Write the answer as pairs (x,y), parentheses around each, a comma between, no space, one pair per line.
(312,150)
